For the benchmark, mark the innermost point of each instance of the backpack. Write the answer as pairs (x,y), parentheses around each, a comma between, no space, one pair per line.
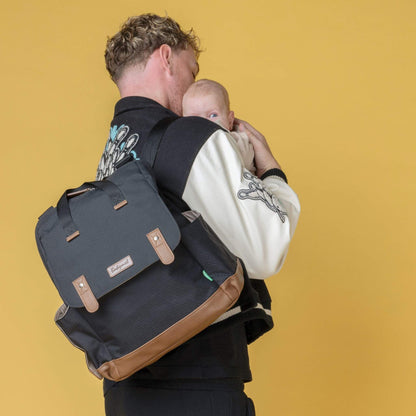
(138,276)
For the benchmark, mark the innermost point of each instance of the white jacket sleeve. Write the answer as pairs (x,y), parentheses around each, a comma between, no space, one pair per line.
(255,219)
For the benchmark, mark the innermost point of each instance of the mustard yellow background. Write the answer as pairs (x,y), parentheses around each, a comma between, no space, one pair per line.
(331,83)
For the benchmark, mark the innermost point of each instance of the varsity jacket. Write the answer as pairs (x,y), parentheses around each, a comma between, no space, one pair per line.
(199,164)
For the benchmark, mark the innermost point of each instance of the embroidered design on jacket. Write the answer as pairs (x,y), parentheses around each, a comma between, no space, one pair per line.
(118,146)
(256,191)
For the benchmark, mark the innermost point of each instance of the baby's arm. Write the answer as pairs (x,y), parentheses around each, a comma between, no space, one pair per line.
(246,149)
(263,157)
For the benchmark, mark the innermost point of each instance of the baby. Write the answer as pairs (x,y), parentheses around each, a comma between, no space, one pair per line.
(209,99)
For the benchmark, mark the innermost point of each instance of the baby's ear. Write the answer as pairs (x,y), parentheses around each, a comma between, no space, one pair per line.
(230,120)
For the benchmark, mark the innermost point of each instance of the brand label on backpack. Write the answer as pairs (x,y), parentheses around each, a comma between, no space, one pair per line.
(120,266)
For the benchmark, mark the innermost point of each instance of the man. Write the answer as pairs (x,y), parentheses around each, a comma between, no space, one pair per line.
(153,62)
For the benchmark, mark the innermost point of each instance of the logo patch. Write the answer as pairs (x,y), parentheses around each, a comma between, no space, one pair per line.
(118,146)
(120,266)
(256,191)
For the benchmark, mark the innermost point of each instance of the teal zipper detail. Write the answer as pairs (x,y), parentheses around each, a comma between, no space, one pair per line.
(207,276)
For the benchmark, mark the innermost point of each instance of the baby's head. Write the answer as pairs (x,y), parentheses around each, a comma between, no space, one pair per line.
(208,99)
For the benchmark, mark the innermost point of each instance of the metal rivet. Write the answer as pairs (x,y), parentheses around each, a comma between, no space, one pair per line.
(81,285)
(156,238)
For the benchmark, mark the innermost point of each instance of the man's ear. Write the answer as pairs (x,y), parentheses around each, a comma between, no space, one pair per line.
(166,55)
(230,120)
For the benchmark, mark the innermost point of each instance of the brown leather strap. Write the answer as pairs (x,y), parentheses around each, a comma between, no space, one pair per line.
(85,293)
(161,247)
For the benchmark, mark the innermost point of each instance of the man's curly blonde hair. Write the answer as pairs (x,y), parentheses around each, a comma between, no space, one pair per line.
(140,36)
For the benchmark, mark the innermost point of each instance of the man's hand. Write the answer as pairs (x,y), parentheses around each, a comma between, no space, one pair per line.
(263,157)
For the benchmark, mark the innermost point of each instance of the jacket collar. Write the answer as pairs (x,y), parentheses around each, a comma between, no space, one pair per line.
(138,103)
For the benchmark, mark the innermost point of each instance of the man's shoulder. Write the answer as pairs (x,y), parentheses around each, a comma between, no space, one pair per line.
(179,148)
(194,128)
(185,137)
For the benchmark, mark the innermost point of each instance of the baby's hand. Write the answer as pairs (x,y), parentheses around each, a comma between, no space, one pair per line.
(264,159)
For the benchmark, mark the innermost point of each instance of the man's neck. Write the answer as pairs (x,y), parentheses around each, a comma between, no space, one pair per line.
(143,82)
(141,91)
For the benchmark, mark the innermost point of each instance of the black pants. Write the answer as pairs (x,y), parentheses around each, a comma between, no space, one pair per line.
(178,398)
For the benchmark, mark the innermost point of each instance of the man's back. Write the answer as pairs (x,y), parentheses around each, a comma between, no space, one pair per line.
(218,356)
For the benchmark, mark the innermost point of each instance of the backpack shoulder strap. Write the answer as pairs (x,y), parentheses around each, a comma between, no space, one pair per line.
(152,142)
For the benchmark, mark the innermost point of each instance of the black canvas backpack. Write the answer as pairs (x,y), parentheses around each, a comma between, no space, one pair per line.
(137,278)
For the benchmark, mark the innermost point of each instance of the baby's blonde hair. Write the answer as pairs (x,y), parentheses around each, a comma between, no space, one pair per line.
(205,86)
